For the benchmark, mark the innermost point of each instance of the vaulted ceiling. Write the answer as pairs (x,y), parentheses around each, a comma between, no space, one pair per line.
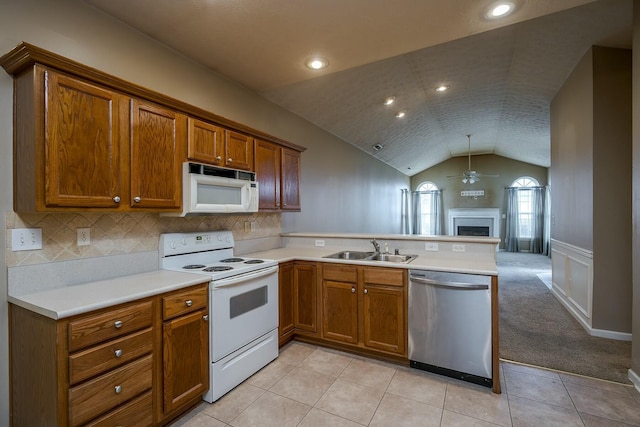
(502,74)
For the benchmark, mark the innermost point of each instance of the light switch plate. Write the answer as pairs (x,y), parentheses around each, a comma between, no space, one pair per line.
(431,246)
(26,239)
(320,243)
(458,248)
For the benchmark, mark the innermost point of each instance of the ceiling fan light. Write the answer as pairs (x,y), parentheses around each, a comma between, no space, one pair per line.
(390,100)
(465,180)
(472,180)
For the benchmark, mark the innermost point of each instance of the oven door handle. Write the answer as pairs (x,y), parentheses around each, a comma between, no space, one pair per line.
(240,279)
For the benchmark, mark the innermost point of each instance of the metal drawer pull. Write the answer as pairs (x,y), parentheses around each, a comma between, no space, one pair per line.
(205,317)
(230,160)
(137,199)
(118,389)
(189,303)
(366,291)
(118,353)
(218,158)
(116,199)
(118,324)
(353,290)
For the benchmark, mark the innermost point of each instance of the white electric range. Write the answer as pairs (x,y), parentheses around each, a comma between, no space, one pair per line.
(243,304)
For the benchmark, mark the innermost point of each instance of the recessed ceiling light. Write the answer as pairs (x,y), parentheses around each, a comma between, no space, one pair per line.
(500,9)
(317,63)
(390,100)
(400,114)
(442,88)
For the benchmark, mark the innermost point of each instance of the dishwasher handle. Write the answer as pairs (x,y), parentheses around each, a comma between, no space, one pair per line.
(442,284)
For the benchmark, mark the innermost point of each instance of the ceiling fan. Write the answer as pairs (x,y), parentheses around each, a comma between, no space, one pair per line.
(471,176)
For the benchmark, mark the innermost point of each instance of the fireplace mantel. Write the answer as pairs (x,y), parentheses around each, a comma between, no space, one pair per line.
(481,217)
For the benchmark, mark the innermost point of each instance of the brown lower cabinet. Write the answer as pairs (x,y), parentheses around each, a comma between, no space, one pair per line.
(298,305)
(350,306)
(140,363)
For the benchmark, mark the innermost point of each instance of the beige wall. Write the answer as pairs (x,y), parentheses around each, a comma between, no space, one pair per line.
(507,170)
(343,188)
(590,177)
(635,345)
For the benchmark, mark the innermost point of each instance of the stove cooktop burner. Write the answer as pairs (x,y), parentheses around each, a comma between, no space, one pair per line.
(193,266)
(218,268)
(232,260)
(254,261)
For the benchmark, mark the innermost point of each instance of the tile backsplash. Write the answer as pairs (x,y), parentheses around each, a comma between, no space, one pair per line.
(121,233)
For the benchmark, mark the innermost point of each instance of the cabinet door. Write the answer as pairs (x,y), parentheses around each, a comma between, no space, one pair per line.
(82,144)
(384,318)
(206,142)
(340,311)
(285,306)
(305,297)
(267,168)
(185,359)
(238,150)
(158,135)
(290,192)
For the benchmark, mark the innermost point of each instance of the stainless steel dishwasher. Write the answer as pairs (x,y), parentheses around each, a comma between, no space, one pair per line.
(450,325)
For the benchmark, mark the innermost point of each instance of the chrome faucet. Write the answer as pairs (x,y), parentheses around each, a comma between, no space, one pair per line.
(376,245)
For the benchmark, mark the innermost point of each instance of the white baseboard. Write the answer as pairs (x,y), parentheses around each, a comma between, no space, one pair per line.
(601,333)
(635,379)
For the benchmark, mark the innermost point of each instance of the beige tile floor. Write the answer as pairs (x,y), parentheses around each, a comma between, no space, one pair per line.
(309,386)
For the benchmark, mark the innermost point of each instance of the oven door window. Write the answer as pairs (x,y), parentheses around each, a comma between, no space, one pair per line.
(248,301)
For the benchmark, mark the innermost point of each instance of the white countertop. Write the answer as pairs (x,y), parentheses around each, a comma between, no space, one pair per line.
(72,300)
(435,261)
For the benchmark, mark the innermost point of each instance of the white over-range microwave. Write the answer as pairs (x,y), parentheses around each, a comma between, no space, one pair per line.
(211,190)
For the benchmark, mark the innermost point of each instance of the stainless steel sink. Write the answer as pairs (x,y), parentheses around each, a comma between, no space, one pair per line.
(393,258)
(356,255)
(372,256)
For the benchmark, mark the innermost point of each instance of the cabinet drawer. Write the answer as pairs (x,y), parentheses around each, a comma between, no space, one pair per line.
(108,325)
(109,355)
(340,272)
(185,301)
(104,393)
(384,276)
(136,413)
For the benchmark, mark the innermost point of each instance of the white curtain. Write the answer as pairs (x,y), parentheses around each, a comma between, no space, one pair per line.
(537,220)
(405,226)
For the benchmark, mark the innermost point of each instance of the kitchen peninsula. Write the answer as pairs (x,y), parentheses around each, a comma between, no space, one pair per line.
(359,303)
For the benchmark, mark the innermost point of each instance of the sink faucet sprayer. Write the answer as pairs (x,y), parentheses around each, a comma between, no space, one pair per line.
(376,245)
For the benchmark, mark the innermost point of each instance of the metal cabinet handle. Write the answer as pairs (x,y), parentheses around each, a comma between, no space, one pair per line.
(116,199)
(188,303)
(218,158)
(118,353)
(205,317)
(137,199)
(353,290)
(118,389)
(118,324)
(366,291)
(229,160)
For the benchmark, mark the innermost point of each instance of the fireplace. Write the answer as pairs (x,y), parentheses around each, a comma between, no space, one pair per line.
(472,230)
(474,222)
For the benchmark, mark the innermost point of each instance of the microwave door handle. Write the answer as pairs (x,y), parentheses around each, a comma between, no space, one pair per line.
(240,279)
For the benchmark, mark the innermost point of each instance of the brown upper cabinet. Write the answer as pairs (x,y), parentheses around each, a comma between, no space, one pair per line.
(215,145)
(80,145)
(278,172)
(88,141)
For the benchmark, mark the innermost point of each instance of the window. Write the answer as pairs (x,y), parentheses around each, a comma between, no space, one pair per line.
(427,213)
(525,205)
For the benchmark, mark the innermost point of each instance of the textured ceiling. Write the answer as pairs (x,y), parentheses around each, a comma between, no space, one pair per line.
(503,75)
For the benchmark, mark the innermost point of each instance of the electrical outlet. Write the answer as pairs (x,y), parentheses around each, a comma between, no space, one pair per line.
(431,246)
(458,248)
(26,239)
(84,236)
(319,242)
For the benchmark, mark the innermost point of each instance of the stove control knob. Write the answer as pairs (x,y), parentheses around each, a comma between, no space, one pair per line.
(172,244)
(228,240)
(183,241)
(219,238)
